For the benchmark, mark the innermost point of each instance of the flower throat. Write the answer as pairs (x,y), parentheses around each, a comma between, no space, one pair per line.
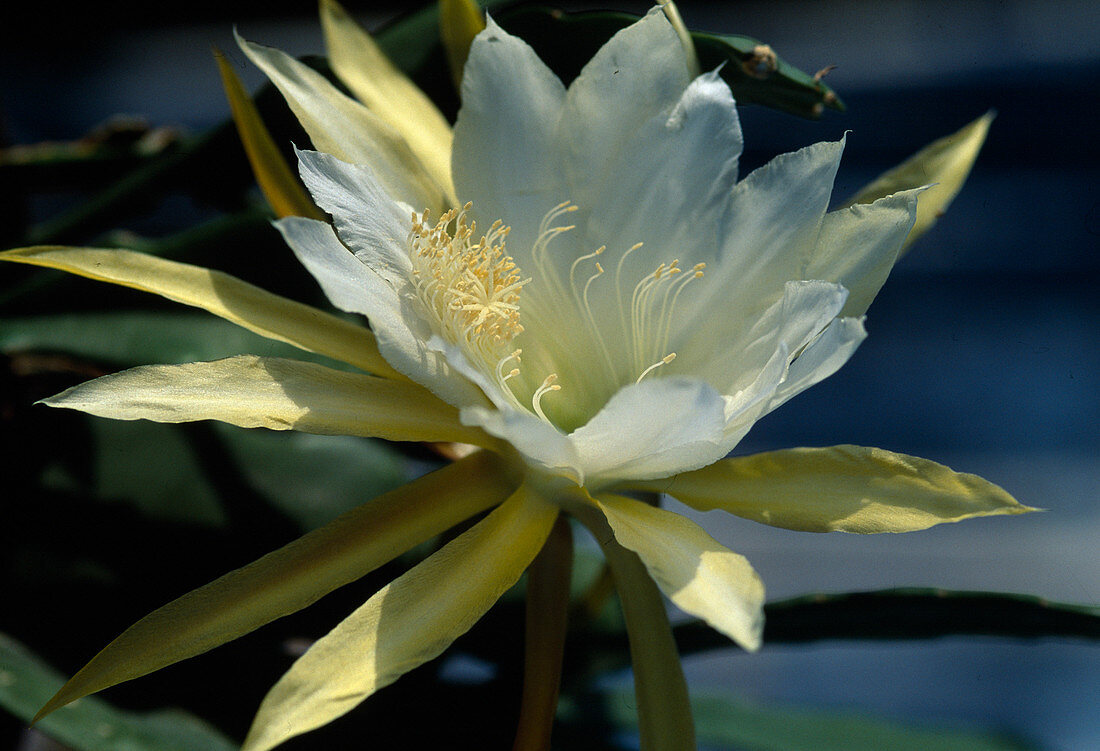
(470,290)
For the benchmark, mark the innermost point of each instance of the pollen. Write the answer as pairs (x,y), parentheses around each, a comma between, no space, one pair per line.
(470,287)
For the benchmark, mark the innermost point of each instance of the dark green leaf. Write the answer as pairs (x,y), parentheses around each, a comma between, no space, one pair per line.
(566,41)
(26,683)
(907,614)
(127,338)
(729,722)
(313,479)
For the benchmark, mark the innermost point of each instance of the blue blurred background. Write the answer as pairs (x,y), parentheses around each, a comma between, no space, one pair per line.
(984,347)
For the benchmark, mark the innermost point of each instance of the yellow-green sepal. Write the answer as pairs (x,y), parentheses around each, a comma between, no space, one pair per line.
(278,183)
(408,622)
(944,165)
(839,488)
(223,295)
(277,394)
(459,22)
(295,575)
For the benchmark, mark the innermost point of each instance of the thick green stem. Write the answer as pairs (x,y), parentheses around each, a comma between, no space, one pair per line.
(664,711)
(547,616)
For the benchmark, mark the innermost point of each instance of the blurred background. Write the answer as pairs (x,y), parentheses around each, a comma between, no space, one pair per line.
(984,346)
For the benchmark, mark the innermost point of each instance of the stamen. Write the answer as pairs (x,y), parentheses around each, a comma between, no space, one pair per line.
(670,306)
(471,289)
(577,262)
(663,361)
(504,361)
(539,250)
(547,386)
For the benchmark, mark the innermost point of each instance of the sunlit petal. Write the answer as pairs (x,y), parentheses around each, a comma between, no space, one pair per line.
(295,575)
(339,125)
(840,488)
(696,572)
(387,92)
(269,392)
(408,622)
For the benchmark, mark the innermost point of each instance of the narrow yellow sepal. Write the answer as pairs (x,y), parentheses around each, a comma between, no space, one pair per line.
(944,164)
(294,576)
(840,488)
(223,295)
(406,623)
(277,181)
(277,394)
(459,22)
(694,570)
(387,92)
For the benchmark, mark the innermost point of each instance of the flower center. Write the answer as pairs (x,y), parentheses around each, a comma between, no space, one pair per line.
(470,290)
(593,333)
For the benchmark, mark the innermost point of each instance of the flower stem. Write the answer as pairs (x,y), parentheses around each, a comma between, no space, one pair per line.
(664,711)
(547,614)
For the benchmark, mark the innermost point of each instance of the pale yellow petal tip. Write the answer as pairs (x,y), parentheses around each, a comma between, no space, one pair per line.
(755,639)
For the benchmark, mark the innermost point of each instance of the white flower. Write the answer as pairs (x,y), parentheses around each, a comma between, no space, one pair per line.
(584,278)
(608,298)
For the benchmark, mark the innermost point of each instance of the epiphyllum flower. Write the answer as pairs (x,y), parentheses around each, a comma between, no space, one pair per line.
(607,299)
(593,298)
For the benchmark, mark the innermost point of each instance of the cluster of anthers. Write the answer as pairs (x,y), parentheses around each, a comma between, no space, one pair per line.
(471,290)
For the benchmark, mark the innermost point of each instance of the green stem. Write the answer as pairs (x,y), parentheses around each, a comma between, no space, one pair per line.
(547,616)
(664,710)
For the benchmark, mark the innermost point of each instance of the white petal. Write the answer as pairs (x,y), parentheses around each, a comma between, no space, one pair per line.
(821,359)
(665,181)
(768,233)
(339,125)
(639,74)
(652,429)
(352,286)
(540,442)
(367,218)
(858,245)
(730,359)
(503,160)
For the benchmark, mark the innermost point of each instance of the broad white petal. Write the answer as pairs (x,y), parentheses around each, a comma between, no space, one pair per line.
(503,158)
(696,572)
(339,125)
(639,74)
(352,286)
(659,186)
(652,429)
(730,359)
(768,234)
(858,245)
(367,218)
(538,441)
